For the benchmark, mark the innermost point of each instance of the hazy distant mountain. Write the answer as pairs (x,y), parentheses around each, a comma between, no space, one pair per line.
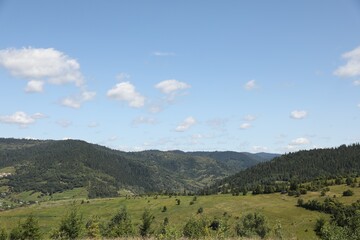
(53,166)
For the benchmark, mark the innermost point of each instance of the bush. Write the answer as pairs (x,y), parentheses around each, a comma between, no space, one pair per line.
(195,229)
(252,225)
(348,193)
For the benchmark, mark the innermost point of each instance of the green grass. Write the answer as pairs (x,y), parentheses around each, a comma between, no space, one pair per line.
(297,223)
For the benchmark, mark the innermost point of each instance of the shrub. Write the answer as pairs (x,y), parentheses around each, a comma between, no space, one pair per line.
(348,193)
(195,229)
(252,225)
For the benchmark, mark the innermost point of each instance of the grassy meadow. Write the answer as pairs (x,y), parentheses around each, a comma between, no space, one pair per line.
(296,222)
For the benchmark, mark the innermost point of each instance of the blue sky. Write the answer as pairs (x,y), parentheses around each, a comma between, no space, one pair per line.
(274,76)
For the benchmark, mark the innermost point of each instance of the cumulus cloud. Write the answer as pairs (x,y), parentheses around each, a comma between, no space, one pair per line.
(125,91)
(356,82)
(78,100)
(352,66)
(46,65)
(250,85)
(171,86)
(41,64)
(34,86)
(245,126)
(21,118)
(298,114)
(186,124)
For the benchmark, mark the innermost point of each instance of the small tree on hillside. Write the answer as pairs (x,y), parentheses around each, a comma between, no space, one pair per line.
(120,225)
(71,225)
(147,220)
(251,225)
(30,229)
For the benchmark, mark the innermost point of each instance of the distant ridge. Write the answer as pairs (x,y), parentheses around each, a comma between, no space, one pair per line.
(301,166)
(50,166)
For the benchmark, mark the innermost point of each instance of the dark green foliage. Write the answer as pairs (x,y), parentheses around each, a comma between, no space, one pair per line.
(319,225)
(147,220)
(252,224)
(3,234)
(71,226)
(93,228)
(200,210)
(195,228)
(55,166)
(15,233)
(296,168)
(30,229)
(348,193)
(164,209)
(178,201)
(120,225)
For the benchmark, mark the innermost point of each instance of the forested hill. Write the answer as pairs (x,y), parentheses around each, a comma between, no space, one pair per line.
(299,167)
(53,166)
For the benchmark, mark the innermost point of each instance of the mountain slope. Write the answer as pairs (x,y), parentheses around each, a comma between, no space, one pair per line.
(300,166)
(54,166)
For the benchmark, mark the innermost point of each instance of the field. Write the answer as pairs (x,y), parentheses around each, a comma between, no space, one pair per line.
(297,223)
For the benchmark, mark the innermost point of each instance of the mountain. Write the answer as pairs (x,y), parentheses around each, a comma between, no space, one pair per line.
(300,166)
(50,166)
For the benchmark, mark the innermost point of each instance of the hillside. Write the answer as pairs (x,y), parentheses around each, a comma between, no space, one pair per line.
(299,167)
(53,166)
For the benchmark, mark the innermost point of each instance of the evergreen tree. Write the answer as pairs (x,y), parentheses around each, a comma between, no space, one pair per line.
(120,225)
(147,220)
(71,225)
(30,229)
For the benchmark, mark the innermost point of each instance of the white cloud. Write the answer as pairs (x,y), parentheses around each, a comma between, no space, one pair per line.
(46,65)
(42,64)
(249,118)
(171,86)
(186,124)
(77,101)
(34,86)
(125,91)
(163,54)
(21,118)
(300,141)
(144,120)
(245,126)
(298,114)
(352,66)
(250,85)
(356,82)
